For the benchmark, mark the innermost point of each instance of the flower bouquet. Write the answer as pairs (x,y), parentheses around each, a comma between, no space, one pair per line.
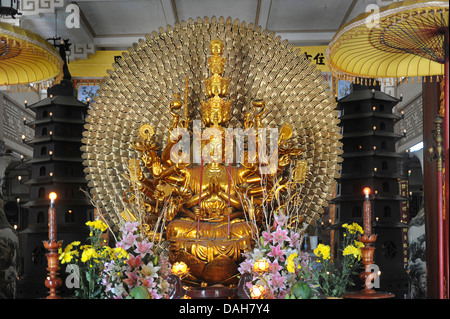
(87,261)
(333,276)
(143,274)
(275,263)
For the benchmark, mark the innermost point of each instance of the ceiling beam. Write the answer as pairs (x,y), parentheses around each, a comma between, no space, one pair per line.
(170,11)
(347,14)
(117,42)
(307,37)
(262,13)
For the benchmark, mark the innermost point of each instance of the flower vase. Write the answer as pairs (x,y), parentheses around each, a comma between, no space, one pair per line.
(313,241)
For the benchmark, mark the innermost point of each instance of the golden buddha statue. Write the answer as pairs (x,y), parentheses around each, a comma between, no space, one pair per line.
(209,212)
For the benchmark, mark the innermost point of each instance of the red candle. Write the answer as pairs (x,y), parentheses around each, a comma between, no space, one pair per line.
(52,218)
(229,185)
(229,200)
(367,212)
(200,199)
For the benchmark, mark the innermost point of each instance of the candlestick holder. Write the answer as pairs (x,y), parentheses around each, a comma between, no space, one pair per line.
(52,282)
(367,276)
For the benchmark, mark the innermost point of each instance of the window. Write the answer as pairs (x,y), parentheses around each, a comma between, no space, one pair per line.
(386,187)
(44,131)
(44,114)
(382,126)
(387,211)
(383,145)
(41,192)
(40,217)
(356,212)
(384,165)
(357,188)
(43,150)
(42,171)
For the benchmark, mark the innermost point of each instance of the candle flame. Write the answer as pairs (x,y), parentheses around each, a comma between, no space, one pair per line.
(367,191)
(52,196)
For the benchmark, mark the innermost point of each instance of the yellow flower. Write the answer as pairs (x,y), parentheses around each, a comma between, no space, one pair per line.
(353,228)
(352,250)
(88,254)
(67,255)
(323,251)
(97,224)
(121,253)
(290,262)
(359,244)
(70,246)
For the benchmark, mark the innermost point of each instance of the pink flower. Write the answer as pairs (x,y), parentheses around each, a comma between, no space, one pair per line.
(149,283)
(245,266)
(280,236)
(267,237)
(276,252)
(277,281)
(154,294)
(127,241)
(275,267)
(143,248)
(295,239)
(129,227)
(134,262)
(280,219)
(132,278)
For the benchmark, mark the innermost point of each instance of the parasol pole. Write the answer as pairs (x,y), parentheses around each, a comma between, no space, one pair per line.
(440,211)
(446,166)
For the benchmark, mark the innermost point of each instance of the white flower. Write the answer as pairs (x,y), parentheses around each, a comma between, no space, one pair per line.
(164,285)
(118,290)
(258,254)
(150,270)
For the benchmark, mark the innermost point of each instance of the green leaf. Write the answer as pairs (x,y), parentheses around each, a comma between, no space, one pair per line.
(140,292)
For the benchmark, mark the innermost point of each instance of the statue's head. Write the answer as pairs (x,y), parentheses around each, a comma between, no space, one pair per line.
(216,46)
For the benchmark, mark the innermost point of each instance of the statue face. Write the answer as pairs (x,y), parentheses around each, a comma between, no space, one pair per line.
(216,88)
(216,47)
(213,151)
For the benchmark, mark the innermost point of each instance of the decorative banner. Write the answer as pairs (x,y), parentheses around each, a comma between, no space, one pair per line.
(404,218)
(316,54)
(34,7)
(412,124)
(95,66)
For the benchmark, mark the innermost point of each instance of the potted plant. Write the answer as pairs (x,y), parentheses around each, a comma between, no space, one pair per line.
(332,275)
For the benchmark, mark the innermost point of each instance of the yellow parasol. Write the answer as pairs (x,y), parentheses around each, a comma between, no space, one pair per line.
(405,39)
(25,58)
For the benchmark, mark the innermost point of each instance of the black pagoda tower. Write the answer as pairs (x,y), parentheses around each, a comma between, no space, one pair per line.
(370,160)
(56,167)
